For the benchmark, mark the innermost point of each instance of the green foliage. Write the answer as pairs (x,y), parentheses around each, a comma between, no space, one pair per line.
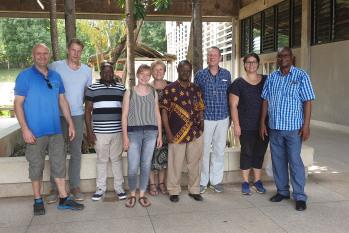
(5,112)
(9,75)
(18,36)
(139,9)
(154,35)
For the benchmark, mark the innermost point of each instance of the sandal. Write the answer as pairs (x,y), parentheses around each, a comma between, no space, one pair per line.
(145,202)
(131,201)
(153,192)
(163,191)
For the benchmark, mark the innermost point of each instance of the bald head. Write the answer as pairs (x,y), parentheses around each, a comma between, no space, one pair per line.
(41,56)
(40,45)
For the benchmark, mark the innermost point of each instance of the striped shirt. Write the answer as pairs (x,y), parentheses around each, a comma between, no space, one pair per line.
(214,92)
(142,109)
(285,95)
(107,103)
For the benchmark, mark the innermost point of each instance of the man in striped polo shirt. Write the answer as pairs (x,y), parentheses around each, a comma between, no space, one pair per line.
(287,95)
(105,98)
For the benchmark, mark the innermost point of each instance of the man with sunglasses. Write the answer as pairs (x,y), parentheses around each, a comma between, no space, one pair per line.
(182,107)
(76,78)
(287,95)
(39,94)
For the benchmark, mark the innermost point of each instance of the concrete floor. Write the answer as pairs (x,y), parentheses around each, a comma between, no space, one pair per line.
(328,205)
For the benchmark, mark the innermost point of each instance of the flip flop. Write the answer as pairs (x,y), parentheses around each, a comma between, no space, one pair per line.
(163,191)
(131,201)
(145,202)
(153,192)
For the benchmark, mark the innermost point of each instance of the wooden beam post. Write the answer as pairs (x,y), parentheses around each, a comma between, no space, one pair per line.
(197,40)
(130,43)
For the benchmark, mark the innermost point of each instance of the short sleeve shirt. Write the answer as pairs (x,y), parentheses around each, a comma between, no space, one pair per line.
(183,106)
(41,106)
(75,82)
(250,102)
(285,95)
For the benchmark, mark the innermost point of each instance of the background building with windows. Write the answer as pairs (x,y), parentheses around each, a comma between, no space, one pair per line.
(317,31)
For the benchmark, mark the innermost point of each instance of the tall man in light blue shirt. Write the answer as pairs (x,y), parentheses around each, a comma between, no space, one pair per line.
(287,95)
(214,82)
(76,78)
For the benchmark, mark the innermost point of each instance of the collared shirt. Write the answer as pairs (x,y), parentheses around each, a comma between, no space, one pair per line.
(107,103)
(41,103)
(285,95)
(183,106)
(214,92)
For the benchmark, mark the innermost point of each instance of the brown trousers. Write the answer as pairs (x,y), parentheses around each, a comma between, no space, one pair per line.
(193,153)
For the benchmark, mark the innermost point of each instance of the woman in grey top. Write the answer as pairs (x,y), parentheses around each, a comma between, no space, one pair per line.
(141,130)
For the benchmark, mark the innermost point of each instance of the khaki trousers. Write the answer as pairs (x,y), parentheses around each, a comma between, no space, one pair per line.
(192,152)
(109,146)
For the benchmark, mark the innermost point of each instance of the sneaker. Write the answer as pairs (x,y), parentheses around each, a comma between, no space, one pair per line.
(245,189)
(98,195)
(70,204)
(53,197)
(39,208)
(218,188)
(77,194)
(202,189)
(121,194)
(258,186)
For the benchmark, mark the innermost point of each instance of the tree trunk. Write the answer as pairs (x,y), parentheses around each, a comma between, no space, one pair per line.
(130,43)
(121,46)
(54,33)
(70,21)
(197,20)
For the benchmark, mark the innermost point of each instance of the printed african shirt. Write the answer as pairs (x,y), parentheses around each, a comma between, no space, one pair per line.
(183,106)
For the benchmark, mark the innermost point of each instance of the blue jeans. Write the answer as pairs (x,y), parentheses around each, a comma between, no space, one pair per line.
(285,147)
(140,154)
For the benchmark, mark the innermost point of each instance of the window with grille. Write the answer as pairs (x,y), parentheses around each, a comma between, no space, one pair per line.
(330,21)
(272,28)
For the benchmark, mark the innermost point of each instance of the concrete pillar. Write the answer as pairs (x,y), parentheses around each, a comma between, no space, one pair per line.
(305,36)
(238,47)
(233,50)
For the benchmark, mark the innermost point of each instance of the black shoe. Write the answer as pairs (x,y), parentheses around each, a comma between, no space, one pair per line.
(197,197)
(278,197)
(301,205)
(174,198)
(39,208)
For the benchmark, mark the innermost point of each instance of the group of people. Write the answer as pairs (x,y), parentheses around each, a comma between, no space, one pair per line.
(162,124)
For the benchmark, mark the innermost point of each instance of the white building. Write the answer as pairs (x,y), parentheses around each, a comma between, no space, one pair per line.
(213,34)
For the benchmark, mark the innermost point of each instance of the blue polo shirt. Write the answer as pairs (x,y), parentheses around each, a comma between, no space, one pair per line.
(214,93)
(40,106)
(285,95)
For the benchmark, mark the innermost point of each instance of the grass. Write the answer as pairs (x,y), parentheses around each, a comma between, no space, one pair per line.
(9,75)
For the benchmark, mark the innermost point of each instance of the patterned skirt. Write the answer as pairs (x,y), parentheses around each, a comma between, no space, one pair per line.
(160,156)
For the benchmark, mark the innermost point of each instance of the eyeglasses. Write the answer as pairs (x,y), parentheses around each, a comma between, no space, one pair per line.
(251,63)
(107,72)
(280,56)
(48,83)
(185,70)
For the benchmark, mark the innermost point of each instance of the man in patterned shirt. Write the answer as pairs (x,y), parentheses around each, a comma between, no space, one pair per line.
(182,115)
(287,95)
(214,82)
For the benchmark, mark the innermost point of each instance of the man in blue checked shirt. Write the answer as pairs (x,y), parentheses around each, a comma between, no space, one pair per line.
(214,82)
(287,95)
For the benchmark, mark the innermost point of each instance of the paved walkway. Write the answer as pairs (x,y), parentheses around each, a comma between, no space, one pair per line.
(328,205)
